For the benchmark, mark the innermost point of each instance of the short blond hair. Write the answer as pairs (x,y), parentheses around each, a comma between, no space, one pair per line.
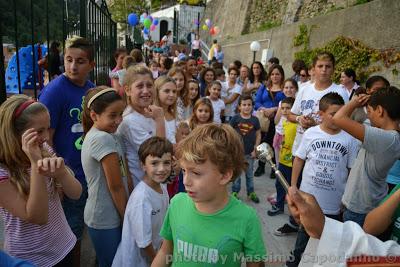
(81,43)
(220,144)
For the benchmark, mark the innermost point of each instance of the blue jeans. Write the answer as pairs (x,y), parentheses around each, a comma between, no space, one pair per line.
(73,210)
(280,191)
(301,244)
(105,243)
(358,218)
(249,177)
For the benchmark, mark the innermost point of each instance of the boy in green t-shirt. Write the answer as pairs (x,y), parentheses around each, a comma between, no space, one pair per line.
(206,225)
(380,219)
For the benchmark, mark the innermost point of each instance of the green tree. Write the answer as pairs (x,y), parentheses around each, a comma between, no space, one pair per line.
(23,21)
(120,9)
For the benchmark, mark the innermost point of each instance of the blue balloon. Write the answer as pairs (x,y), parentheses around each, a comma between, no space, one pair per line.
(141,18)
(146,31)
(133,19)
(155,21)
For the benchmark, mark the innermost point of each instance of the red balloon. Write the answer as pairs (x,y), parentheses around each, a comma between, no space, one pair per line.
(212,31)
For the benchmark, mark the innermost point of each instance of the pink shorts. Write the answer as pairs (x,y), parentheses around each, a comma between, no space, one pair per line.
(277,142)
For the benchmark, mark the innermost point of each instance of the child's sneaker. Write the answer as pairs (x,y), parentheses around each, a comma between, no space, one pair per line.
(286,229)
(274,211)
(253,197)
(235,194)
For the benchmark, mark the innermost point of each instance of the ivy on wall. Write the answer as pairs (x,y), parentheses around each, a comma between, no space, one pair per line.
(348,52)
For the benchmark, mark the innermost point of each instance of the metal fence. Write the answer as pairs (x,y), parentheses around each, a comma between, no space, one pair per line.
(30,26)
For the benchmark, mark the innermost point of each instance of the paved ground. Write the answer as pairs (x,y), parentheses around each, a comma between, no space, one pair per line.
(278,247)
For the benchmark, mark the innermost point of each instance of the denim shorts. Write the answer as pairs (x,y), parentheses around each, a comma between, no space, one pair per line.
(73,210)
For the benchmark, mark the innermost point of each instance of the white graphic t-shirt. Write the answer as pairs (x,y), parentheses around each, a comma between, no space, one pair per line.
(327,159)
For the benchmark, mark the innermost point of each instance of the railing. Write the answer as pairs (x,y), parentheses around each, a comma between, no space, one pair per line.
(30,27)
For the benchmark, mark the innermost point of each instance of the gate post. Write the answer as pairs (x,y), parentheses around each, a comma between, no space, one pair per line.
(3,94)
(82,19)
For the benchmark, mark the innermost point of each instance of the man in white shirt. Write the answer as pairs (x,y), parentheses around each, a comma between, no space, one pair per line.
(332,243)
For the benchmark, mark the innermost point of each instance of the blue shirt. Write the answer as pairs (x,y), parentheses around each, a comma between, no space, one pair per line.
(394,174)
(263,98)
(8,261)
(64,100)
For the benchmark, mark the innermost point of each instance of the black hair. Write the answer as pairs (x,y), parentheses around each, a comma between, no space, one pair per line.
(298,65)
(350,73)
(168,63)
(388,98)
(288,100)
(245,97)
(376,78)
(237,63)
(273,60)
(263,74)
(219,72)
(154,146)
(329,99)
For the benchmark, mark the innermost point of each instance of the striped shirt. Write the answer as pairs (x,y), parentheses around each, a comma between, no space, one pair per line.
(42,245)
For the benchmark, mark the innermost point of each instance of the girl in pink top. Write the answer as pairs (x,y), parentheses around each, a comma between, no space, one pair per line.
(35,226)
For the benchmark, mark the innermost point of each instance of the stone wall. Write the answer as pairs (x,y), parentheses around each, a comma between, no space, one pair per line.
(376,24)
(265,14)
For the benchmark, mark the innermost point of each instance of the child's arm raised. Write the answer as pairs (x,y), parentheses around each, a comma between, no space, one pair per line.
(343,121)
(112,171)
(380,218)
(231,99)
(157,114)
(164,255)
(278,115)
(34,207)
(298,164)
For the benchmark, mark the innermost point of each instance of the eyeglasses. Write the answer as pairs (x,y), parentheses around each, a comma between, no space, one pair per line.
(303,75)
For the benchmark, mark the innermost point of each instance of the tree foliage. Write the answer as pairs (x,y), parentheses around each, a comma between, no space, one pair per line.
(348,52)
(120,9)
(23,21)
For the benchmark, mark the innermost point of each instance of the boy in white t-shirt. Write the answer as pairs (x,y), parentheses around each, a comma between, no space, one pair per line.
(326,153)
(305,108)
(146,207)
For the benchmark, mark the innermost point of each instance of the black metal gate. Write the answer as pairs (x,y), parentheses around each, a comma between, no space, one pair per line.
(30,26)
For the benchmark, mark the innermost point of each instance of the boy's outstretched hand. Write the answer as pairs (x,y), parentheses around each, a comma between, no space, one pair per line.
(360,100)
(305,209)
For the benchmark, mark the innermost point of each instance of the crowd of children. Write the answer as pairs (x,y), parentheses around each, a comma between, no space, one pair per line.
(158,158)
